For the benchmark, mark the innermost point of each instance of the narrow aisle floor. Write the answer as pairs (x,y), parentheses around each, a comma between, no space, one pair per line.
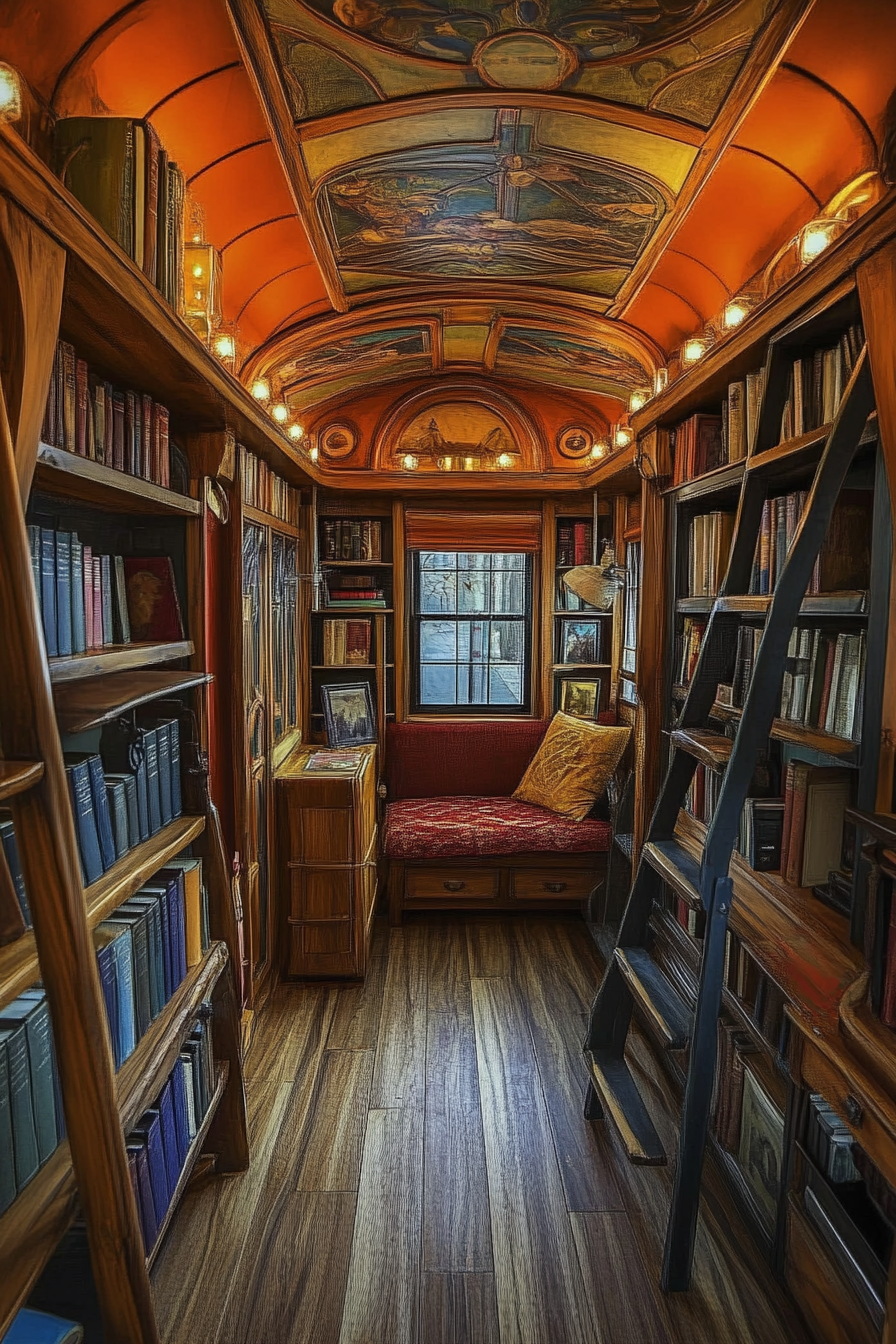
(422,1172)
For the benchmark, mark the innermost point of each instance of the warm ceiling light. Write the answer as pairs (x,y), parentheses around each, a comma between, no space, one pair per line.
(694,350)
(225,347)
(816,237)
(314,452)
(10,94)
(410,462)
(296,432)
(735,312)
(660,381)
(623,436)
(639,398)
(504,461)
(261,389)
(599,448)
(280,412)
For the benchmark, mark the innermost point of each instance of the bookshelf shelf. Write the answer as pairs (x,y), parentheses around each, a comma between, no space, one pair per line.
(269,520)
(61,473)
(31,1228)
(356,564)
(223,1071)
(581,667)
(143,1074)
(820,605)
(727,477)
(811,739)
(17,776)
(585,615)
(97,700)
(117,658)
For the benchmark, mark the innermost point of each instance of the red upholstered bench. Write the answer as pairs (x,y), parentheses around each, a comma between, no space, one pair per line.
(453,835)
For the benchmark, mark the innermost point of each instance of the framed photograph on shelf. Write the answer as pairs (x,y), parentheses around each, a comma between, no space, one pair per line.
(348,711)
(580,642)
(761,1150)
(580,699)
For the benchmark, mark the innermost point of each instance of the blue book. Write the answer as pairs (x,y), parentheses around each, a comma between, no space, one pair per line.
(153,787)
(7,1154)
(122,751)
(169,934)
(31,1012)
(138,923)
(174,877)
(148,1221)
(149,905)
(116,796)
(14,864)
(85,821)
(148,1130)
(64,592)
(48,589)
(174,755)
(169,1137)
(106,961)
(37,1327)
(24,1135)
(101,810)
(79,620)
(163,748)
(130,792)
(181,1114)
(122,949)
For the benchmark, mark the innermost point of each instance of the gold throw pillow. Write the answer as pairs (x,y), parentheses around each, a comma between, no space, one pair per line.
(572,766)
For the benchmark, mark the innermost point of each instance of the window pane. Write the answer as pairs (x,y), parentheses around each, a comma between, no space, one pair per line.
(507,641)
(438,591)
(438,641)
(506,685)
(515,561)
(437,684)
(437,560)
(508,593)
(475,560)
(472,590)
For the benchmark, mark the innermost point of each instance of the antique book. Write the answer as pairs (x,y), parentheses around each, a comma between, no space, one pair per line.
(102,161)
(31,1013)
(153,606)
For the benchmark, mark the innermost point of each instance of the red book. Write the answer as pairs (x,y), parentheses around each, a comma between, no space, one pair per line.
(797,835)
(788,816)
(581,543)
(147,464)
(164,451)
(153,608)
(82,393)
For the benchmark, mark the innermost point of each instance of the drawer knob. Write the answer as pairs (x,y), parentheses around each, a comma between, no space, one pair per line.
(454,885)
(555,886)
(853,1108)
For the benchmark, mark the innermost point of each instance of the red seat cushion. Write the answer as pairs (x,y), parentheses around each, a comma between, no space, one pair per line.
(461,827)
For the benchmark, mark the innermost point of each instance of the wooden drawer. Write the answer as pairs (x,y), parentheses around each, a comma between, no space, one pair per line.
(461,884)
(823,1295)
(821,1075)
(320,893)
(545,884)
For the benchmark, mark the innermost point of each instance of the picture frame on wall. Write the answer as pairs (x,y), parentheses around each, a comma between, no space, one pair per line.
(580,642)
(348,712)
(580,698)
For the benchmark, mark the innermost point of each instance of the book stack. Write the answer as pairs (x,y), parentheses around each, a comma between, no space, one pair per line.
(698,447)
(574,543)
(116,167)
(159,1144)
(263,489)
(761,833)
(829,1143)
(351,539)
(15,913)
(817,382)
(353,590)
(144,948)
(734,1045)
(86,415)
(687,651)
(815,799)
(824,681)
(89,601)
(692,921)
(31,1118)
(709,541)
(346,642)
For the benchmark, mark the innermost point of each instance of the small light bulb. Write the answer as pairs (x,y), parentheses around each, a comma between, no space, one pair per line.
(735,312)
(225,347)
(814,239)
(623,436)
(694,350)
(314,453)
(504,461)
(638,399)
(599,448)
(10,94)
(197,237)
(296,432)
(410,462)
(261,389)
(280,412)
(197,272)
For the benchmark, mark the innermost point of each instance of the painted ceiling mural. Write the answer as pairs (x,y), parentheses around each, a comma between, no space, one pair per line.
(547,355)
(382,355)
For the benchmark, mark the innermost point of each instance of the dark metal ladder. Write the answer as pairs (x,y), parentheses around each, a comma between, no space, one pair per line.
(632,977)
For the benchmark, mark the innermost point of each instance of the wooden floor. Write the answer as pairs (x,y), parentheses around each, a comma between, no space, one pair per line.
(422,1173)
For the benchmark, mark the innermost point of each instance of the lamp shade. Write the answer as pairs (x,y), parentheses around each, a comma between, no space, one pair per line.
(593,585)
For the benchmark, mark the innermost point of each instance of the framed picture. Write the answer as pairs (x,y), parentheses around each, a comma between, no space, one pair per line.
(348,710)
(580,699)
(761,1149)
(580,642)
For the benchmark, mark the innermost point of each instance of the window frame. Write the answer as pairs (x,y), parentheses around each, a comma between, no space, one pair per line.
(415,622)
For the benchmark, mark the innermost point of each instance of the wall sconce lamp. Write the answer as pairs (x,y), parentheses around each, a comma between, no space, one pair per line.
(639,399)
(504,461)
(599,449)
(736,309)
(693,350)
(296,433)
(10,94)
(660,380)
(280,412)
(314,452)
(817,236)
(623,436)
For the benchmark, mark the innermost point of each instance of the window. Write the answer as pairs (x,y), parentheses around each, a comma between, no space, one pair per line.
(632,599)
(472,631)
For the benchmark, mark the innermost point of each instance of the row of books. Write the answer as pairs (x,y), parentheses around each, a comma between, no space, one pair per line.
(31,1118)
(817,383)
(351,539)
(264,489)
(759,995)
(90,601)
(812,838)
(575,543)
(349,589)
(126,792)
(346,642)
(692,921)
(704,441)
(843,563)
(709,541)
(689,639)
(703,792)
(144,948)
(159,1144)
(86,415)
(823,678)
(118,170)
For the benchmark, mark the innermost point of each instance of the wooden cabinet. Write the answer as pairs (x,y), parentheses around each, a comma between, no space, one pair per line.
(327,863)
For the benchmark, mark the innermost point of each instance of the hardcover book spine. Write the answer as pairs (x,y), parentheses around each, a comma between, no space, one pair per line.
(101,811)
(123,958)
(174,762)
(106,964)
(151,757)
(79,617)
(48,589)
(106,599)
(7,1155)
(85,822)
(40,1058)
(122,620)
(164,755)
(181,1118)
(69,399)
(64,593)
(24,1132)
(169,1138)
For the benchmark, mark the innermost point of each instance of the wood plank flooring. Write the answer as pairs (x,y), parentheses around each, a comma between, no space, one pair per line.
(422,1173)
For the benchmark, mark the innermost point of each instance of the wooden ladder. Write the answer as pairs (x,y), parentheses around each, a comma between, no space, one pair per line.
(632,978)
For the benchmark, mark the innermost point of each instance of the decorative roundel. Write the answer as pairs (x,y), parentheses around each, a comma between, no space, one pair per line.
(575,441)
(338,441)
(524,60)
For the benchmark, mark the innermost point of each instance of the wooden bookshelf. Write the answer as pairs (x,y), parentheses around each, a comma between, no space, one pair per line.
(270,520)
(117,658)
(72,477)
(32,1227)
(93,701)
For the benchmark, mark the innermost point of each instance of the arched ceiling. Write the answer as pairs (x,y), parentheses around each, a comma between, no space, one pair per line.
(549,190)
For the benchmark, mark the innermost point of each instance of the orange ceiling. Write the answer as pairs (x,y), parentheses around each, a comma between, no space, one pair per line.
(815,124)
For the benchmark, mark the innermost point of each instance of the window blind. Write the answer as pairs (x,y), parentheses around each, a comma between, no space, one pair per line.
(464,530)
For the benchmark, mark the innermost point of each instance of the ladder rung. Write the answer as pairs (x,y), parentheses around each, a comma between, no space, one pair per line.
(654,995)
(17,776)
(677,867)
(712,749)
(622,1102)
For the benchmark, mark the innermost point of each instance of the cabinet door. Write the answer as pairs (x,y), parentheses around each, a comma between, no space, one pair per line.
(255,679)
